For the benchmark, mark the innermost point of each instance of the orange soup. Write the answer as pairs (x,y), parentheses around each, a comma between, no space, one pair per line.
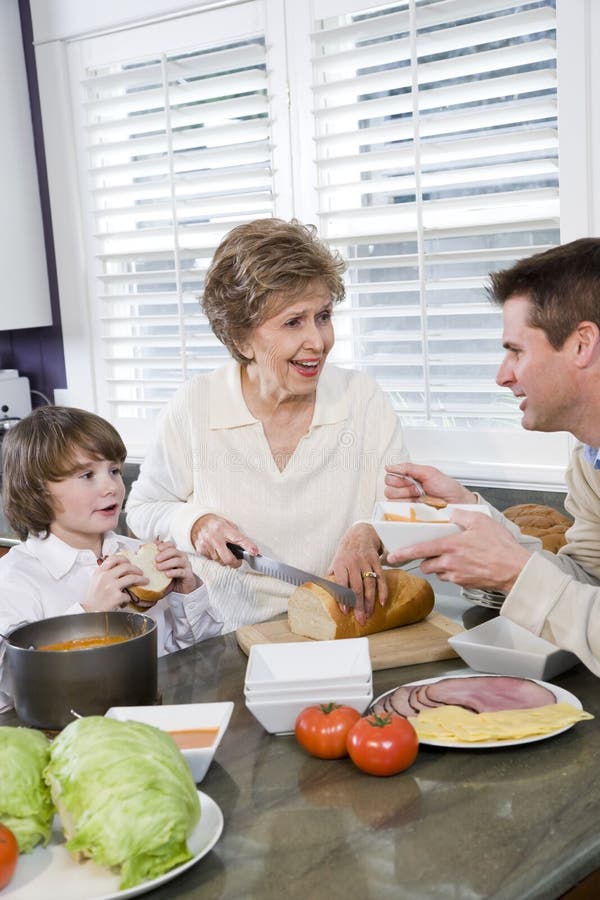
(194,738)
(394,517)
(85,643)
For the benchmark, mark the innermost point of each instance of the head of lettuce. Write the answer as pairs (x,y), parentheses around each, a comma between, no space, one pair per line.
(125,796)
(25,804)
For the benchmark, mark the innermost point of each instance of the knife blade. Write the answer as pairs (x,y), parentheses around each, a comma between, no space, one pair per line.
(291,575)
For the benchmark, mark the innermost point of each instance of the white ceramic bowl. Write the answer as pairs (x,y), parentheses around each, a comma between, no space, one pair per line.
(333,688)
(183,717)
(431,523)
(504,648)
(308,664)
(279,716)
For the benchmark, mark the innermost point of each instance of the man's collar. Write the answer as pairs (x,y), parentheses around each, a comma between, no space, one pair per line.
(592,455)
(227,408)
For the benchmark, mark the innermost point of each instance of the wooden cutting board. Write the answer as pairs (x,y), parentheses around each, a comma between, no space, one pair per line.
(424,641)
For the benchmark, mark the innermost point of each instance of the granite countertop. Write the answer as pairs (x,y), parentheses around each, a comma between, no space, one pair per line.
(513,823)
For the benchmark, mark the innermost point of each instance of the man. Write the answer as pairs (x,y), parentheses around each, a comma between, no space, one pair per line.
(551,314)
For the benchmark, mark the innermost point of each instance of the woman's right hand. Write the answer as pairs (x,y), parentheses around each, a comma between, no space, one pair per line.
(210,536)
(108,585)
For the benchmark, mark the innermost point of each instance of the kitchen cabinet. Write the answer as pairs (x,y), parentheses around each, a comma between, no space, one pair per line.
(25,287)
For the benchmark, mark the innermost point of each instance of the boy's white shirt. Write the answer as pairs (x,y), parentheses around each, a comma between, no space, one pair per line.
(41,578)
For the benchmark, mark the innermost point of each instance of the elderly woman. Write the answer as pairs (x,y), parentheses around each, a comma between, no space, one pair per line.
(276,451)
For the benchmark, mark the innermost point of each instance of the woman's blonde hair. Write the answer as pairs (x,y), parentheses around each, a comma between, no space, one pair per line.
(260,266)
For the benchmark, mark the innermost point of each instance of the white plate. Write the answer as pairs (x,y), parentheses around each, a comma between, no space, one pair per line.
(562,696)
(50,872)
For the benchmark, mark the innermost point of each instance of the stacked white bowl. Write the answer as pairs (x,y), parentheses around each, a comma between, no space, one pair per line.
(283,679)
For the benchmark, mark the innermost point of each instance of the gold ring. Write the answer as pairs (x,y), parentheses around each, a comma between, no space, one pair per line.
(368,574)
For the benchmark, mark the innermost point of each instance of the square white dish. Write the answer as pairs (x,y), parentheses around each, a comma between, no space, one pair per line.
(501,647)
(316,689)
(308,664)
(428,523)
(183,717)
(279,716)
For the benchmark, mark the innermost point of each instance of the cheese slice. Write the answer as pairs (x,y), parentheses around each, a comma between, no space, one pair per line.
(454,723)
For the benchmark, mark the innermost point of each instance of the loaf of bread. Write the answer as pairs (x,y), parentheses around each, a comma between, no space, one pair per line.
(144,557)
(314,612)
(542,522)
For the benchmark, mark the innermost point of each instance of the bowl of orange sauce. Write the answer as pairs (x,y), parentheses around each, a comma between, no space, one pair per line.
(196,728)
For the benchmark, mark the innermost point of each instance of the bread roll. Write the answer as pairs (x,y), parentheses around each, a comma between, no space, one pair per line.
(314,612)
(542,522)
(144,558)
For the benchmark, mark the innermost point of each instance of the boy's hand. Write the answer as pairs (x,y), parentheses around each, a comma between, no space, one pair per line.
(109,582)
(176,565)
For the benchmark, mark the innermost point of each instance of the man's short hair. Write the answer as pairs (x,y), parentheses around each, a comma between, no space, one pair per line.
(562,285)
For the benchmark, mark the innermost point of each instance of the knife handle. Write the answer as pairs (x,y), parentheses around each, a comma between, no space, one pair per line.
(237,551)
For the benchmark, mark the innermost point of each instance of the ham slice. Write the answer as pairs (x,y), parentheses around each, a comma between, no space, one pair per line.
(490,694)
(480,693)
(398,702)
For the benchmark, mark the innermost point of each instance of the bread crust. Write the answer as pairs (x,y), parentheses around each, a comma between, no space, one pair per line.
(541,521)
(313,612)
(146,595)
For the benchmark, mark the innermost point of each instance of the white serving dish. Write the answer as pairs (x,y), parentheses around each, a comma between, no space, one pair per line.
(182,717)
(308,664)
(332,688)
(279,716)
(432,524)
(501,647)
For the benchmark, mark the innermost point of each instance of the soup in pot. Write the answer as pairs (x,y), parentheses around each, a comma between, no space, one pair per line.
(85,643)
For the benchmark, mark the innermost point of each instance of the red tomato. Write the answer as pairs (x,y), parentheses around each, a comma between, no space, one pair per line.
(383,745)
(9,853)
(323,729)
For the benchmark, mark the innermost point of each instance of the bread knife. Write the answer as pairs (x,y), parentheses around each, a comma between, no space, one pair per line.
(291,575)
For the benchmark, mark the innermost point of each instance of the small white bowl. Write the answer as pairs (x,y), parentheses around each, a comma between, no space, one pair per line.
(501,647)
(279,716)
(431,523)
(308,664)
(183,717)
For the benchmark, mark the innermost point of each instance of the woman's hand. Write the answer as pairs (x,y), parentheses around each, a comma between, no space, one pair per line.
(176,565)
(357,554)
(433,482)
(108,585)
(210,536)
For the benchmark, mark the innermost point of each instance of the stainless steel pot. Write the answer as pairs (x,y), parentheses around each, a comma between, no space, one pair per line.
(48,685)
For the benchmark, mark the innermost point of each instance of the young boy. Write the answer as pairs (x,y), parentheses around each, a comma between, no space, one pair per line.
(62,492)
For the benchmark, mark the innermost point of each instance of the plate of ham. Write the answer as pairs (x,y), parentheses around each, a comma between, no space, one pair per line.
(483,694)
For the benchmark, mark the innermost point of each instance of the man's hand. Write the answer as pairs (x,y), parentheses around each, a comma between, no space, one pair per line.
(484,555)
(433,482)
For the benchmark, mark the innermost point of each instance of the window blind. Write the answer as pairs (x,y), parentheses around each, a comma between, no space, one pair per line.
(178,152)
(421,137)
(437,162)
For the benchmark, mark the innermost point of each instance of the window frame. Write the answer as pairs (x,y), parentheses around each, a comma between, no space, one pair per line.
(478,458)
